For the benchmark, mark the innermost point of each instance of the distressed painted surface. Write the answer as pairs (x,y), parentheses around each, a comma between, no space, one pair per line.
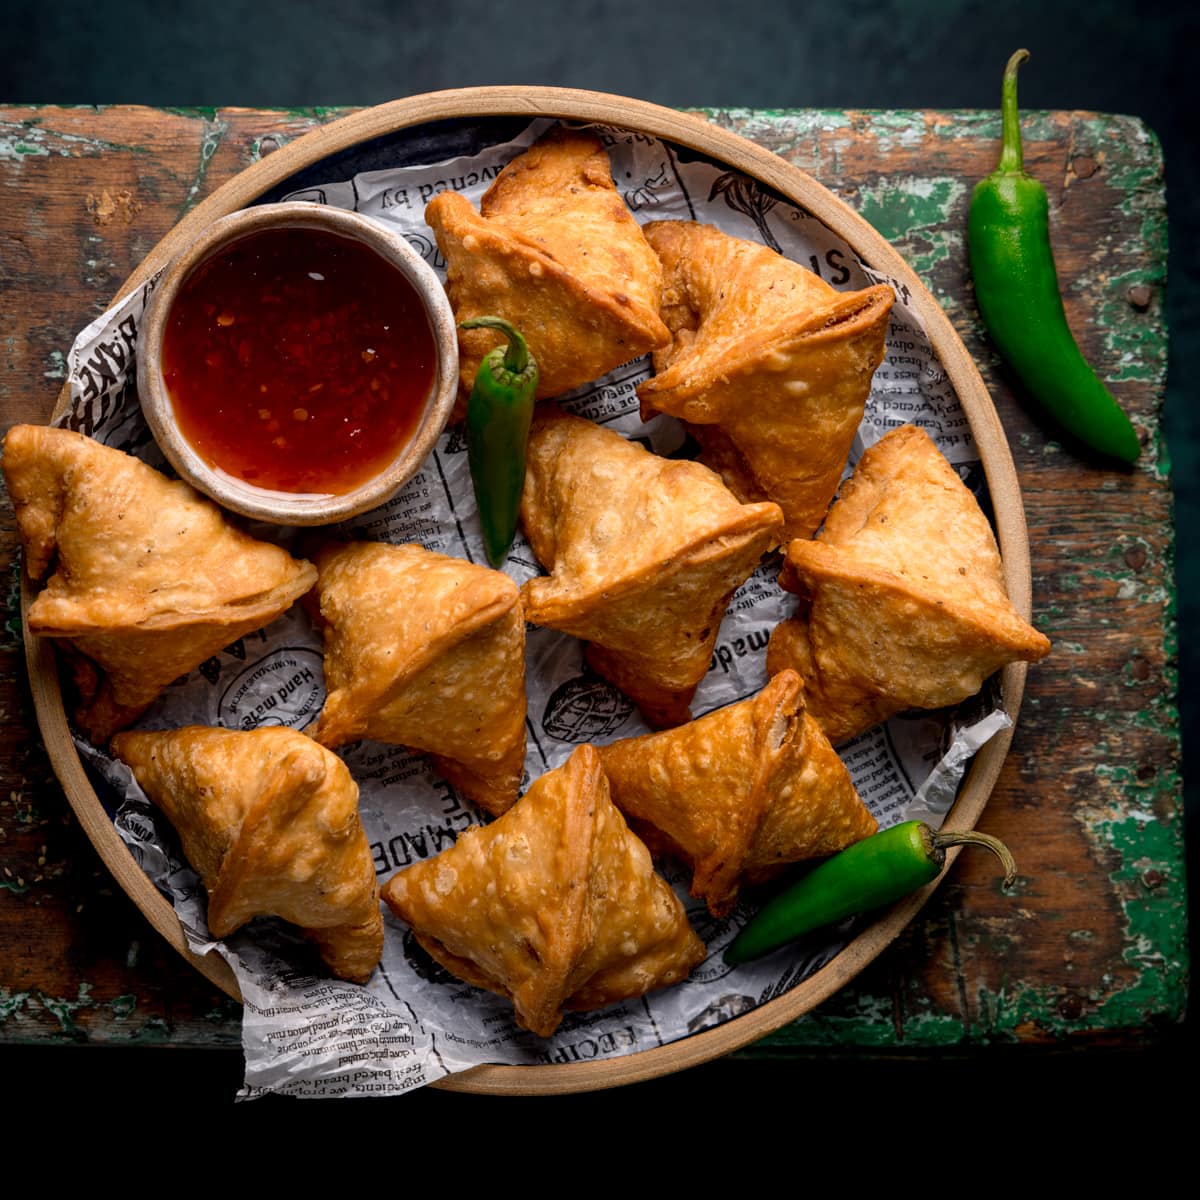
(1090,948)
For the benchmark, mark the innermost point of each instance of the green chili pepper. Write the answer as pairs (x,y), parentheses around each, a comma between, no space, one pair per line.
(869,874)
(498,414)
(1016,287)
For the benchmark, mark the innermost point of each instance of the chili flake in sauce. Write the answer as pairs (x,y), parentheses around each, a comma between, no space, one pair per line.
(298,360)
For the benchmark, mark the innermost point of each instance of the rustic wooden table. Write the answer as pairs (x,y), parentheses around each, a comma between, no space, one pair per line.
(1091,949)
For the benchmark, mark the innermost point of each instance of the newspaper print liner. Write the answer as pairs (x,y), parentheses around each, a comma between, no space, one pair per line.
(309,1035)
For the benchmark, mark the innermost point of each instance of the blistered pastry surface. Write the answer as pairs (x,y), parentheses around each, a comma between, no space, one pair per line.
(903,599)
(554,905)
(269,819)
(554,250)
(426,651)
(772,358)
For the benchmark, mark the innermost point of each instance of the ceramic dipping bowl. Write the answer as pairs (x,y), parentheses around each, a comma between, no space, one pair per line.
(297,363)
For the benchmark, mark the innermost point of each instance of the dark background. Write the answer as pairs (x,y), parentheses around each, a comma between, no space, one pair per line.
(1133,58)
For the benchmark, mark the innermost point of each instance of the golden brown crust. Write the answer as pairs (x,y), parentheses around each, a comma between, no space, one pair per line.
(903,603)
(739,792)
(555,251)
(426,651)
(554,905)
(643,553)
(770,364)
(149,579)
(269,820)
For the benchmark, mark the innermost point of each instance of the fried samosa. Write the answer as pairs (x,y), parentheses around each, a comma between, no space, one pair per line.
(269,820)
(903,603)
(555,251)
(770,367)
(555,905)
(739,792)
(149,578)
(425,651)
(643,552)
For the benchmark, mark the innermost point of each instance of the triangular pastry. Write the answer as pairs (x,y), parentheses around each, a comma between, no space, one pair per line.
(149,579)
(426,651)
(770,365)
(740,792)
(269,820)
(555,905)
(903,603)
(555,251)
(643,552)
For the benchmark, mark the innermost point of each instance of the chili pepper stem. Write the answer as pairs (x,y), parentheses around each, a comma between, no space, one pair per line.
(943,841)
(1012,159)
(516,353)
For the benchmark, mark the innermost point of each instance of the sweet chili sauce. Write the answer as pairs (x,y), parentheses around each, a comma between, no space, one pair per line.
(298,360)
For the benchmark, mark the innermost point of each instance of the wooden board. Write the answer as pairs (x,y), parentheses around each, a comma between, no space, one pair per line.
(935,993)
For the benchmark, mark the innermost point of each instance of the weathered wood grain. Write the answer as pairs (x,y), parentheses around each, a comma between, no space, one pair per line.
(1091,947)
(1090,798)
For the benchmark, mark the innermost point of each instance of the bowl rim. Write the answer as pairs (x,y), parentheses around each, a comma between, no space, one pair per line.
(690,130)
(264,504)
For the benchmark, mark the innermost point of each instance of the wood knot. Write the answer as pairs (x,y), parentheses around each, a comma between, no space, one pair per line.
(1139,296)
(1135,557)
(1070,1008)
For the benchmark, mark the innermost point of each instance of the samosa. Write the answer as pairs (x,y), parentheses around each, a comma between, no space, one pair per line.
(147,579)
(269,820)
(427,651)
(643,552)
(555,251)
(770,367)
(555,904)
(903,603)
(740,792)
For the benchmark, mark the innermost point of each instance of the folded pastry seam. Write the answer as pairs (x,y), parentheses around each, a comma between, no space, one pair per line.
(555,905)
(426,651)
(269,820)
(740,792)
(903,603)
(644,554)
(555,251)
(147,579)
(769,365)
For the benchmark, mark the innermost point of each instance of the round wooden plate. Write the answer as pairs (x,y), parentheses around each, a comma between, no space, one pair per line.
(266,180)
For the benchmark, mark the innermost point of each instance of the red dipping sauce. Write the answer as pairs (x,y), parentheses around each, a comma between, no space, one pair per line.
(298,361)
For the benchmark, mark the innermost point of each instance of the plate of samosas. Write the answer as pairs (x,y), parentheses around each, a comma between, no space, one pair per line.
(495,826)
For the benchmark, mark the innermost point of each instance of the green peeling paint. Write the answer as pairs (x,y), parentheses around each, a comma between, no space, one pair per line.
(64,1011)
(256,151)
(203,112)
(22,139)
(212,135)
(898,205)
(12,1004)
(123,1006)
(58,366)
(803,124)
(16,149)
(12,618)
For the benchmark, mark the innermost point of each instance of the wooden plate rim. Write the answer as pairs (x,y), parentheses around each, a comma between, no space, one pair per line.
(696,133)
